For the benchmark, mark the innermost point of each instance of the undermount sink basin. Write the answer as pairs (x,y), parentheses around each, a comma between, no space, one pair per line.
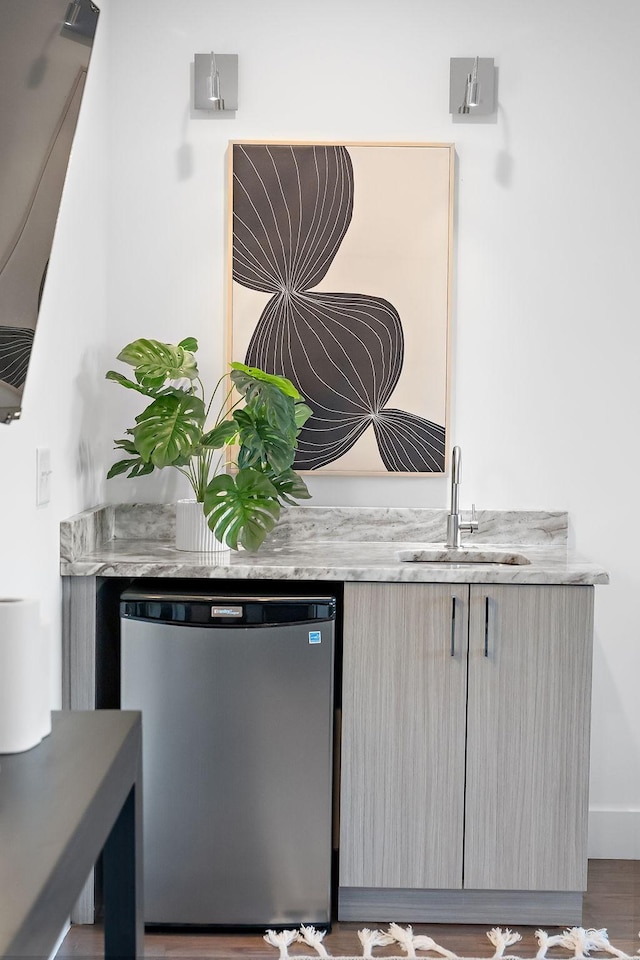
(440,553)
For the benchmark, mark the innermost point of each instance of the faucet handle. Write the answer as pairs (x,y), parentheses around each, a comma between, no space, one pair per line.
(469,526)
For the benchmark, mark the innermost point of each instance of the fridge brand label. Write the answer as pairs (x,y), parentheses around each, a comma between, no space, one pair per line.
(226,611)
(315,636)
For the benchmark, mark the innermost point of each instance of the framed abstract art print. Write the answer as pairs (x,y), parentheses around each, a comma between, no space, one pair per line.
(340,256)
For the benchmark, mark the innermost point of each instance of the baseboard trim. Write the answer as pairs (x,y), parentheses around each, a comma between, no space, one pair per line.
(530,907)
(614,834)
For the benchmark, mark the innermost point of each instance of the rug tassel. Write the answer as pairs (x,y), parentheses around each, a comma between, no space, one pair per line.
(403,936)
(576,939)
(501,940)
(314,939)
(599,940)
(582,942)
(281,940)
(426,943)
(372,938)
(545,942)
(411,943)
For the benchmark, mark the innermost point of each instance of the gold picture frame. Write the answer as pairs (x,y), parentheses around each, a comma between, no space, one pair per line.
(340,279)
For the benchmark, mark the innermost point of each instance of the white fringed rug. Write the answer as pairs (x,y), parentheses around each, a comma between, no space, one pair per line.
(581,944)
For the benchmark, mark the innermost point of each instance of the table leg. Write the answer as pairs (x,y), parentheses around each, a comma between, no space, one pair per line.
(122,873)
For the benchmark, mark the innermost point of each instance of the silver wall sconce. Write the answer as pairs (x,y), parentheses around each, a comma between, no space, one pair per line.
(472,86)
(215,82)
(81,18)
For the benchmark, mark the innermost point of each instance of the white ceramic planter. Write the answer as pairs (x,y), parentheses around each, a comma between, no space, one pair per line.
(193,533)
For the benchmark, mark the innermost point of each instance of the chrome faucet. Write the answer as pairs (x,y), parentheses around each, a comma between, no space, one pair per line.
(455,525)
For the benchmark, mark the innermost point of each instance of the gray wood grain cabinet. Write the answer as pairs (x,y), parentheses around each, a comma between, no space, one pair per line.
(465,752)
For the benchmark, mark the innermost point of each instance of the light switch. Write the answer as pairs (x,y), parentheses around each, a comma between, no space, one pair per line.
(43,476)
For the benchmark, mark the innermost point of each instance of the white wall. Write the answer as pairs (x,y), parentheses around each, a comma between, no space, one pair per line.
(545,336)
(545,339)
(59,411)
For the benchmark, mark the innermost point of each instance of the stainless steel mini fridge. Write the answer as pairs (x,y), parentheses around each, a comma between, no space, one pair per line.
(236,694)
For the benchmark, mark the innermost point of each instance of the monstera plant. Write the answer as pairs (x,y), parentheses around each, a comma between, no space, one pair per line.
(257,415)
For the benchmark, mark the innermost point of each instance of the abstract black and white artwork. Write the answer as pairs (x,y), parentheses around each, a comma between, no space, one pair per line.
(341,264)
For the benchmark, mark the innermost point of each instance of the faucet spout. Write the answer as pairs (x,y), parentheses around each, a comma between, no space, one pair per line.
(456,461)
(454,524)
(456,464)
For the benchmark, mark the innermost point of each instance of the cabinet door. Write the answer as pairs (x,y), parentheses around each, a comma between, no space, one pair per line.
(403,727)
(530,651)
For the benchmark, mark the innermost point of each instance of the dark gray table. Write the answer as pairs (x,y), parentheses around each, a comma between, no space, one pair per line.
(61,803)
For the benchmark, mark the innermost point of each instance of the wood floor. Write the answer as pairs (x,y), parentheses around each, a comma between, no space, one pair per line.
(612,901)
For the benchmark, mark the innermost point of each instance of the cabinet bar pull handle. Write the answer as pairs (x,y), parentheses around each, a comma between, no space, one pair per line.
(453,626)
(486,626)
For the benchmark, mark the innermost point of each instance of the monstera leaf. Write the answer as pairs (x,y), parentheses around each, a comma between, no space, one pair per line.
(290,487)
(273,397)
(261,444)
(251,382)
(221,434)
(133,466)
(242,509)
(169,429)
(156,362)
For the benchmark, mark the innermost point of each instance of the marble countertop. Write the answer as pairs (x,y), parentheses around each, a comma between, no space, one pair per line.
(324,543)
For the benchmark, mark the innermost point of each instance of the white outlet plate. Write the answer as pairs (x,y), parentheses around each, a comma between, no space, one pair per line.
(43,476)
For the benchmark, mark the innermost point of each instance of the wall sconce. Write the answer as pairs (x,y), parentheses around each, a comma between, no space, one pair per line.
(472,86)
(81,18)
(215,82)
